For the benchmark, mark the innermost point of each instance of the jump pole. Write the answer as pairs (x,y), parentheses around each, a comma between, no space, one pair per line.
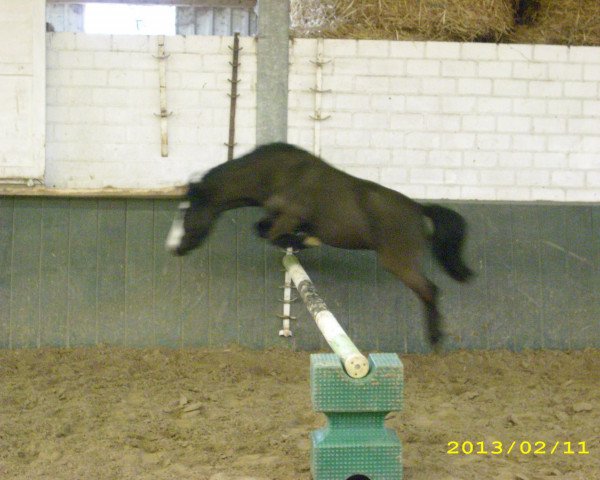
(355,394)
(355,363)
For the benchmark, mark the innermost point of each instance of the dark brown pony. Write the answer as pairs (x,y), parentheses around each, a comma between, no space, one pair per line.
(307,201)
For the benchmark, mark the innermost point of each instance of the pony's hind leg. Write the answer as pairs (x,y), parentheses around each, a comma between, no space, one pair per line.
(412,277)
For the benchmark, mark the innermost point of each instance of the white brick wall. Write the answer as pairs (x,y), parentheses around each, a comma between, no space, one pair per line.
(433,120)
(103,96)
(460,121)
(22,80)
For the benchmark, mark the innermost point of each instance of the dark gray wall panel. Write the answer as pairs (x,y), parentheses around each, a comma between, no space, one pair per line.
(90,271)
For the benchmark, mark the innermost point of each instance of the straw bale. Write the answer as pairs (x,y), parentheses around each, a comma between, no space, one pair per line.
(455,20)
(565,22)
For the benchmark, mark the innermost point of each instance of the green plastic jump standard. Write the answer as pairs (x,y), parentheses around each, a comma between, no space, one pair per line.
(355,444)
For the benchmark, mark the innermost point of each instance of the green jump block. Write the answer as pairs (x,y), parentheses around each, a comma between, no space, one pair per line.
(355,444)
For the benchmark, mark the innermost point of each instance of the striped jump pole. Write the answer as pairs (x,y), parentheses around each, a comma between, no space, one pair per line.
(354,362)
(355,395)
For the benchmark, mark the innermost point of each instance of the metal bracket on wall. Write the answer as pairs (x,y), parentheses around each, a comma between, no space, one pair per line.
(164,114)
(233,94)
(318,90)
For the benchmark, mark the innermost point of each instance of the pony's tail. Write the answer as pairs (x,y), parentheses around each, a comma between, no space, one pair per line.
(449,229)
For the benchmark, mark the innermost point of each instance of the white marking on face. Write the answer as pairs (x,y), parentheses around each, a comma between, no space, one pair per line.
(175,235)
(184,205)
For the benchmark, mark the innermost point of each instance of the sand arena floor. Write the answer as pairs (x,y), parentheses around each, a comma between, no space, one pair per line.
(106,413)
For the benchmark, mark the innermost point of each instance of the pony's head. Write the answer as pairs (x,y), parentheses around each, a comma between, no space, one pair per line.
(191,224)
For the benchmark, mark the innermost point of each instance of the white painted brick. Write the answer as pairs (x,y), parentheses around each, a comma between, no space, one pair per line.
(517,160)
(89,78)
(479,193)
(426,176)
(508,123)
(513,193)
(531,177)
(371,121)
(461,176)
(350,65)
(563,143)
(306,48)
(565,107)
(388,103)
(549,125)
(211,63)
(373,48)
(476,159)
(530,71)
(459,68)
(493,141)
(75,59)
(548,194)
(387,66)
(581,89)
(416,104)
(474,86)
(110,96)
(413,191)
(301,82)
(567,179)
(591,72)
(588,194)
(545,89)
(407,122)
(338,120)
(445,158)
(441,123)
(193,80)
(404,49)
(423,68)
(442,50)
(422,140)
(494,69)
(458,141)
(587,161)
(529,106)
(85,41)
(386,139)
(584,125)
(438,86)
(550,160)
(442,192)
(565,71)
(352,102)
(339,155)
(131,43)
(372,84)
(592,179)
(497,177)
(352,138)
(478,123)
(591,108)
(590,144)
(204,44)
(125,78)
(373,156)
(458,104)
(405,85)
(339,48)
(494,105)
(529,143)
(394,175)
(479,51)
(515,52)
(583,54)
(550,53)
(338,83)
(510,88)
(61,41)
(406,157)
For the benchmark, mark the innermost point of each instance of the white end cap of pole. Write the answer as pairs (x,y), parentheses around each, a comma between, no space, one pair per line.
(356,366)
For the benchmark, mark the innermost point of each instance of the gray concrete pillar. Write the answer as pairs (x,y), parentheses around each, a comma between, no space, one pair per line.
(272,75)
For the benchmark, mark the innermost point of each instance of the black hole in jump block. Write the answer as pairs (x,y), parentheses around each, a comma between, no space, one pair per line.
(358,477)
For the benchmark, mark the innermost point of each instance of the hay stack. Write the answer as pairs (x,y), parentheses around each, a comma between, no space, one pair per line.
(563,22)
(456,20)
